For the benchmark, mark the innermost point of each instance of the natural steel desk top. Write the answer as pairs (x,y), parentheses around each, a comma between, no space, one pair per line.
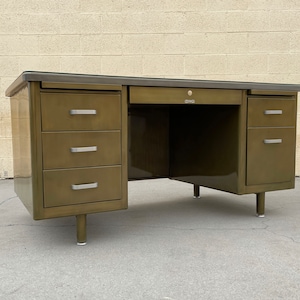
(144,81)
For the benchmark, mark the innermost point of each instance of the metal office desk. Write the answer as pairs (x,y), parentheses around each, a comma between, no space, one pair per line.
(78,139)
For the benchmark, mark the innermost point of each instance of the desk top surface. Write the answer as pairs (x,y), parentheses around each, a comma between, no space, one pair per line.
(28,76)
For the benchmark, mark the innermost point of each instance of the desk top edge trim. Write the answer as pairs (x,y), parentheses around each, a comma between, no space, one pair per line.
(28,76)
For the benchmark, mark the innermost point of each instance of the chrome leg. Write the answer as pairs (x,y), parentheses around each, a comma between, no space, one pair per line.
(81,230)
(196,191)
(260,205)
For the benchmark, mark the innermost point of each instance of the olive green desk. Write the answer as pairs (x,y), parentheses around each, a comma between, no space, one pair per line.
(78,139)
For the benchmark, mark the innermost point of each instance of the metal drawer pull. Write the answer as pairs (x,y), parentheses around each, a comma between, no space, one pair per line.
(83,149)
(273,141)
(85,186)
(273,112)
(83,112)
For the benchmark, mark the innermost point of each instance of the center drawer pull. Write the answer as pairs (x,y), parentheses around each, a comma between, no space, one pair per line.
(85,186)
(83,149)
(83,112)
(273,112)
(273,141)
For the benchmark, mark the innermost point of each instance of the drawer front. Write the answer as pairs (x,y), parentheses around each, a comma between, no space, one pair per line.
(65,111)
(266,112)
(161,95)
(79,186)
(270,155)
(81,149)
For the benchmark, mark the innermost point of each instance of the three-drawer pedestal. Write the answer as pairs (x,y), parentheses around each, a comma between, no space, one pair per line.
(75,143)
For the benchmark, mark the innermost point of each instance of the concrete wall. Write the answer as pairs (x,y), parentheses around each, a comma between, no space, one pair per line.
(248,40)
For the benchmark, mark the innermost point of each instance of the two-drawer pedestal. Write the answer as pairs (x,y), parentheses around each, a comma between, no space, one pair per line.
(271,139)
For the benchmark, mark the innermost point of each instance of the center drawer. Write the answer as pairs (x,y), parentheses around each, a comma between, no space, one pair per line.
(79,186)
(81,149)
(72,111)
(167,95)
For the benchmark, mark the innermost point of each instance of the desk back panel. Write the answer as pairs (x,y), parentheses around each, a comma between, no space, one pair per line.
(194,143)
(204,145)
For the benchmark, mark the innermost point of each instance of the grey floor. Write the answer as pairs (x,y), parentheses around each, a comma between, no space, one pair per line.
(167,245)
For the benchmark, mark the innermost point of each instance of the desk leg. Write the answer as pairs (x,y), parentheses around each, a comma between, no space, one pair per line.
(260,204)
(81,230)
(196,191)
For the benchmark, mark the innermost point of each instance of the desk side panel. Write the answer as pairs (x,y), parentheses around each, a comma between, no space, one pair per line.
(21,138)
(148,151)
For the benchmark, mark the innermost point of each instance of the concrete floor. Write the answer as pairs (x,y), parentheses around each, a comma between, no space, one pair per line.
(167,245)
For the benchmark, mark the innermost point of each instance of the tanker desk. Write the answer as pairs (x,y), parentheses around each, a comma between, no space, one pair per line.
(78,139)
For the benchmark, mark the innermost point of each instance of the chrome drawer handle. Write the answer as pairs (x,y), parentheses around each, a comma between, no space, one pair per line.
(273,141)
(83,112)
(83,149)
(273,112)
(85,186)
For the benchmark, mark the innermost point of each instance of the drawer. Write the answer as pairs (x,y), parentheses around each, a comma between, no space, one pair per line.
(270,155)
(81,149)
(268,112)
(66,111)
(79,186)
(162,95)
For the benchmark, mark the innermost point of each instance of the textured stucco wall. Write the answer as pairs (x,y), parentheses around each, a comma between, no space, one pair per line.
(249,40)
